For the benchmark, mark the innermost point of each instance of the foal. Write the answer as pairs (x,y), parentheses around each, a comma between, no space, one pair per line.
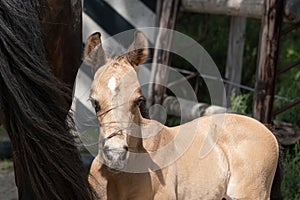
(216,157)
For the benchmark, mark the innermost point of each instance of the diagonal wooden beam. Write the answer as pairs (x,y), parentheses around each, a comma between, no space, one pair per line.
(168,13)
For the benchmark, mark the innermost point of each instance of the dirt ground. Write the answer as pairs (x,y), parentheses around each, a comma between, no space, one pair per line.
(8,190)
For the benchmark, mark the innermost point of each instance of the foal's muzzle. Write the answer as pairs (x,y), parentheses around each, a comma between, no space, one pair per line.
(115,152)
(115,159)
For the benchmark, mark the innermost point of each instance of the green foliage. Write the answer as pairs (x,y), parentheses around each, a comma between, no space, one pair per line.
(214,39)
(288,83)
(289,90)
(291,184)
(240,103)
(172,121)
(210,31)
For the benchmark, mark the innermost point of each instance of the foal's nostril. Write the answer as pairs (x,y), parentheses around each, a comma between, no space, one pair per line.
(107,153)
(105,149)
(123,155)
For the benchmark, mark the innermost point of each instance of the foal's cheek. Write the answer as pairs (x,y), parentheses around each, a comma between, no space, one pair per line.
(101,136)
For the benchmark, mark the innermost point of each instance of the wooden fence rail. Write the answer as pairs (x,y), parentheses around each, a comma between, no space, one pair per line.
(245,8)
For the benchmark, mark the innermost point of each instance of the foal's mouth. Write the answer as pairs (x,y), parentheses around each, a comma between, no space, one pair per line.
(115,159)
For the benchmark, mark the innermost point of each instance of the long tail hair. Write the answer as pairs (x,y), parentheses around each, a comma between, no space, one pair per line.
(34,107)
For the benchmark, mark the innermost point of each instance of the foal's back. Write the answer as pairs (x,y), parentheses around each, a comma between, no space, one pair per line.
(231,155)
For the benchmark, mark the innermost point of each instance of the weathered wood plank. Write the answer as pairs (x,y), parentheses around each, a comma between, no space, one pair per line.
(159,74)
(235,55)
(267,60)
(266,73)
(245,8)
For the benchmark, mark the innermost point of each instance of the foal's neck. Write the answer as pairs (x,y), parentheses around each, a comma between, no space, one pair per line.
(155,135)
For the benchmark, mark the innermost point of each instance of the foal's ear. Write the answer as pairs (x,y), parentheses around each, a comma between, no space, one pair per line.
(138,50)
(93,53)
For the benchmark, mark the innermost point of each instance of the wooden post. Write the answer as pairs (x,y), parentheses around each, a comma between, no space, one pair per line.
(266,73)
(159,75)
(235,55)
(267,60)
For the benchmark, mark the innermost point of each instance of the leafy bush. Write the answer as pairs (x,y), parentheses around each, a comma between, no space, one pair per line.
(172,121)
(291,182)
(241,103)
(288,83)
(290,90)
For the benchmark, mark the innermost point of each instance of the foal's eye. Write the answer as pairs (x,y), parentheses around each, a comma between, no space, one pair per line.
(140,100)
(95,104)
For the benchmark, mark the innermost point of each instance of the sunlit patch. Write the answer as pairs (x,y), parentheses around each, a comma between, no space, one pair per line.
(112,85)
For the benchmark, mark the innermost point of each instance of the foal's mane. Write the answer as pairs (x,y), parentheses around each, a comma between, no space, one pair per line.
(35,108)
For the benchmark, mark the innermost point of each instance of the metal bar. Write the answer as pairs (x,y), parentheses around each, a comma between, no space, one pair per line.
(287,106)
(289,29)
(182,79)
(245,87)
(289,66)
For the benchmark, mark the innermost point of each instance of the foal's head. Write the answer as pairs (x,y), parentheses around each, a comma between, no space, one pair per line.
(117,98)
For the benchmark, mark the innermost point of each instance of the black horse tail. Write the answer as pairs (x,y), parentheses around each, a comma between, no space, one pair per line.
(34,107)
(276,185)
